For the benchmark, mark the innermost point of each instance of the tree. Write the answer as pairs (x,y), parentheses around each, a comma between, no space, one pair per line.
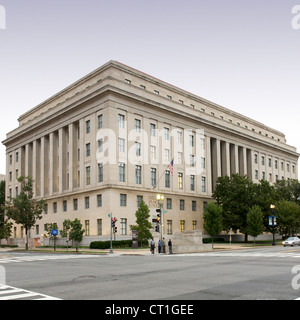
(288,218)
(143,225)
(288,190)
(5,230)
(236,196)
(255,224)
(24,209)
(48,228)
(76,232)
(2,201)
(213,220)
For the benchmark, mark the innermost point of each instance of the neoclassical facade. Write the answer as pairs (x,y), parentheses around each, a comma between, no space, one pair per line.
(106,142)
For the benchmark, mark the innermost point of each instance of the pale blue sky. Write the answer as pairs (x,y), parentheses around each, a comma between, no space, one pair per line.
(241,54)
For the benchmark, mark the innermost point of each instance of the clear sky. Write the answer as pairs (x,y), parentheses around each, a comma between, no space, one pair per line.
(241,54)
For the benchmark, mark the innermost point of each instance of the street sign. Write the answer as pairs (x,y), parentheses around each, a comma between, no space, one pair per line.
(54,232)
(165,211)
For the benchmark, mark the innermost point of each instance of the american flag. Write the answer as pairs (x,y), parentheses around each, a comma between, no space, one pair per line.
(171,166)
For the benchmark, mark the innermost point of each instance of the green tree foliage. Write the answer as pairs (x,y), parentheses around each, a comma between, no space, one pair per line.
(288,190)
(213,219)
(24,209)
(143,225)
(2,201)
(255,224)
(76,233)
(288,218)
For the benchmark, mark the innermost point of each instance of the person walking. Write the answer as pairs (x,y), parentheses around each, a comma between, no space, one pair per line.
(152,246)
(163,245)
(170,246)
(159,246)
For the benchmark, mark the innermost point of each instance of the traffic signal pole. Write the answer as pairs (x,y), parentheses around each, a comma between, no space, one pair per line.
(111,227)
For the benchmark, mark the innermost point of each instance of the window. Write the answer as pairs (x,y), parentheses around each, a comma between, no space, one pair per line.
(139,199)
(153,152)
(54,207)
(87,202)
(203,184)
(75,204)
(88,149)
(182,225)
(181,204)
(138,174)
(256,174)
(179,137)
(121,143)
(194,224)
(194,206)
(180,180)
(99,200)
(167,179)
(137,124)
(276,164)
(152,130)
(127,81)
(153,177)
(100,121)
(192,182)
(270,162)
(65,205)
(100,145)
(203,163)
(123,199)
(88,126)
(99,227)
(192,160)
(121,119)
(37,229)
(17,156)
(46,208)
(191,140)
(169,203)
(255,158)
(138,149)
(87,227)
(100,172)
(123,225)
(166,155)
(169,226)
(156,92)
(179,155)
(88,175)
(121,172)
(167,133)
(263,160)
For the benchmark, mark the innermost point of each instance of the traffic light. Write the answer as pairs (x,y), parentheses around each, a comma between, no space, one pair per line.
(113,225)
(158,215)
(157,228)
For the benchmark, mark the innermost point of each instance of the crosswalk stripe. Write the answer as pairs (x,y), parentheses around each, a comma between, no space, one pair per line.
(11,293)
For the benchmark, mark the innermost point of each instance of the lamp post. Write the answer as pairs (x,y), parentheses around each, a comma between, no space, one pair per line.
(272,206)
(160,200)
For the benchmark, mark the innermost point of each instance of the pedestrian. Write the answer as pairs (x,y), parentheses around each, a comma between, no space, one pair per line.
(159,246)
(152,246)
(170,246)
(163,245)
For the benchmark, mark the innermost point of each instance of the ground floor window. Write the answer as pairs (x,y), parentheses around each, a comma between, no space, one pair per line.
(182,225)
(99,227)
(169,227)
(123,226)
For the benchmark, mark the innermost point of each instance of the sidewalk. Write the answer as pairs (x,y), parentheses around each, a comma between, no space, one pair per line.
(217,247)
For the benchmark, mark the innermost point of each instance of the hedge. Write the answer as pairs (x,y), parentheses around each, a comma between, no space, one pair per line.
(115,244)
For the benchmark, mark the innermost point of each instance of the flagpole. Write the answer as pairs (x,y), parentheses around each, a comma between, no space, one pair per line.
(163,174)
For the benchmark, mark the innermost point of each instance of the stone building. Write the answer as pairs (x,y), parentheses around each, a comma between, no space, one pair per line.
(106,142)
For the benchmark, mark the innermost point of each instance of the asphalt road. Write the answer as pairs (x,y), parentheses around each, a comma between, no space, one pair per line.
(251,274)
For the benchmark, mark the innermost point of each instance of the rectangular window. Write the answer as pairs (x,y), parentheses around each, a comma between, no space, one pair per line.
(121,172)
(166,155)
(139,200)
(65,208)
(137,148)
(87,202)
(202,163)
(169,227)
(88,126)
(99,200)
(123,199)
(54,207)
(182,225)
(181,204)
(153,152)
(87,227)
(137,125)
(75,204)
(121,143)
(121,120)
(203,182)
(191,140)
(123,225)
(167,179)
(100,121)
(88,149)
(99,227)
(100,172)
(88,175)
(169,203)
(167,134)
(180,180)
(152,130)
(138,174)
(100,145)
(192,182)
(179,137)
(153,177)
(194,224)
(194,205)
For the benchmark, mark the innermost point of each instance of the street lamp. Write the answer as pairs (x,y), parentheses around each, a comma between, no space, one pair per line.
(272,221)
(160,200)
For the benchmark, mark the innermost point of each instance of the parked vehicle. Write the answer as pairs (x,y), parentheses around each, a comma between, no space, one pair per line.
(291,241)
